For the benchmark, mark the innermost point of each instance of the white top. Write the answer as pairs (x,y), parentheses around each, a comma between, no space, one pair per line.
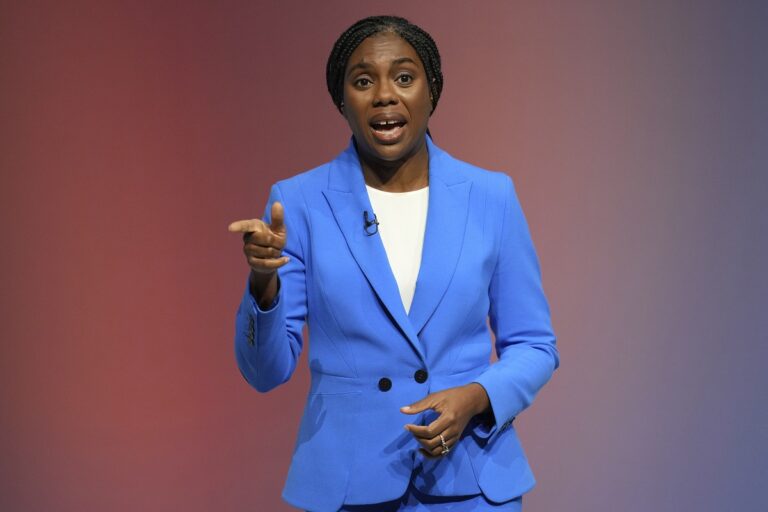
(402,220)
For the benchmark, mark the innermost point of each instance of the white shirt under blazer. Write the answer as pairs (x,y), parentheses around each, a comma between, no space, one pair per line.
(402,217)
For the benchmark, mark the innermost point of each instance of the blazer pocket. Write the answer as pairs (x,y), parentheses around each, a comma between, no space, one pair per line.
(319,471)
(501,467)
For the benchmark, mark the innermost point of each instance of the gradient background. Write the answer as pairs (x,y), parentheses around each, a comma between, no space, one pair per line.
(132,133)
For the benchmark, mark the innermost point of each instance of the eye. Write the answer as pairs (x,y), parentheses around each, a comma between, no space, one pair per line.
(362,82)
(404,79)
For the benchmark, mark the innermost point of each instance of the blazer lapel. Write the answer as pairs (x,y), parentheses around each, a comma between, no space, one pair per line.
(444,235)
(348,199)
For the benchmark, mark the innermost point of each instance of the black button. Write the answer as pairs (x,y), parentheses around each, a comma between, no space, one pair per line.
(385,384)
(420,376)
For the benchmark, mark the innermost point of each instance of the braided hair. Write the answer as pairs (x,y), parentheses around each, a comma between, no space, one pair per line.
(347,42)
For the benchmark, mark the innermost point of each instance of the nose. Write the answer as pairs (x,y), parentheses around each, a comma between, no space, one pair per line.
(385,94)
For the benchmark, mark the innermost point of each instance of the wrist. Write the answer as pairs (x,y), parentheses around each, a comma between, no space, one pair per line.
(479,398)
(263,287)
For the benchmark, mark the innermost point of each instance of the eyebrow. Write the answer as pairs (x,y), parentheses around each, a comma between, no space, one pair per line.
(366,65)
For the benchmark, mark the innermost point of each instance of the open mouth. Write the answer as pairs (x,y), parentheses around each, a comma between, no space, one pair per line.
(384,126)
(388,131)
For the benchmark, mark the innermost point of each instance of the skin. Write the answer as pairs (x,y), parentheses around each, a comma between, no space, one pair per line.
(384,75)
(263,246)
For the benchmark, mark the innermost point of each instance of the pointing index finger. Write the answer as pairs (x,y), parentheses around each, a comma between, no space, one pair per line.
(243,226)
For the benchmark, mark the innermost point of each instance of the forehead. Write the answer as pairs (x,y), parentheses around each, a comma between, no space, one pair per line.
(382,49)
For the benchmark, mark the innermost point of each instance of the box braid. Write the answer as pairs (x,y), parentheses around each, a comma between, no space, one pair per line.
(346,44)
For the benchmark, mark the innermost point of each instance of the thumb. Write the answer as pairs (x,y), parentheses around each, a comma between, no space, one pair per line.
(417,407)
(278,218)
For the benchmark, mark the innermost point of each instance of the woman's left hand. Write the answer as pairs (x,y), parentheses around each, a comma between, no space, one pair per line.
(455,406)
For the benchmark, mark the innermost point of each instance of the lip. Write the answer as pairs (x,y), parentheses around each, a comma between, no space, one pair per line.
(391,136)
(388,137)
(387,116)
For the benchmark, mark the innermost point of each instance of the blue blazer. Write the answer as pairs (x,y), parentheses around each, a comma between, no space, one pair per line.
(478,263)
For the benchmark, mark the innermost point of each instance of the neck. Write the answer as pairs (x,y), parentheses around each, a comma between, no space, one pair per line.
(404,175)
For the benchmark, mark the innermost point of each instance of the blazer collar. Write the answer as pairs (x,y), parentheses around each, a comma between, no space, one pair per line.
(443,237)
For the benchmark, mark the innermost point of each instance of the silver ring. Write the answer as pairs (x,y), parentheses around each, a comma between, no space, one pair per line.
(445,446)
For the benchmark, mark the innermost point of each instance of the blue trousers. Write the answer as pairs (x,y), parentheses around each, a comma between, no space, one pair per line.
(414,501)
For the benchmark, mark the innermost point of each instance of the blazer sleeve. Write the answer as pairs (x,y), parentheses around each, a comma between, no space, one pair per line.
(520,320)
(268,342)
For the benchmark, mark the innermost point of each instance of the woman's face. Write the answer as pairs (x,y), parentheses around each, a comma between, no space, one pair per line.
(386,98)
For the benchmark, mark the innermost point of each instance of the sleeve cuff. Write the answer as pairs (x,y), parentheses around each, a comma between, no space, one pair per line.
(255,305)
(488,425)
(258,323)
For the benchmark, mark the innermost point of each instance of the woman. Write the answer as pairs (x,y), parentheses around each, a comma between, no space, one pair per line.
(396,254)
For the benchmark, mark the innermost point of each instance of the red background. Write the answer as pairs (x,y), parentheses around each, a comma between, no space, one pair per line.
(132,133)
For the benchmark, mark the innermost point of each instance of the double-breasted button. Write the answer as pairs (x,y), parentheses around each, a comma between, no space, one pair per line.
(385,384)
(420,376)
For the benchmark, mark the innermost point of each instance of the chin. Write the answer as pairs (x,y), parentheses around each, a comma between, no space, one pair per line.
(391,152)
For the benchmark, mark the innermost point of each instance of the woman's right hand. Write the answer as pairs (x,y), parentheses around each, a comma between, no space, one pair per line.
(263,246)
